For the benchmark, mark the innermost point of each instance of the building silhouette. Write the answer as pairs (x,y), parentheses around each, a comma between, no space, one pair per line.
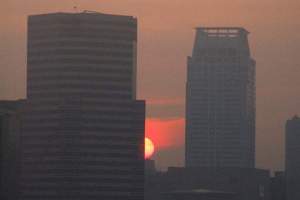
(10,126)
(220,100)
(208,183)
(278,186)
(292,159)
(83,130)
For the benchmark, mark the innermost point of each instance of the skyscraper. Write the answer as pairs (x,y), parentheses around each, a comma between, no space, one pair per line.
(292,159)
(83,131)
(220,100)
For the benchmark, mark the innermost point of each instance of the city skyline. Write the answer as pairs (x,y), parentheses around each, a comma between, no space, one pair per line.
(274,58)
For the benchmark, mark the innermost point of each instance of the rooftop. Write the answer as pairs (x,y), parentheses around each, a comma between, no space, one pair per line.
(222,31)
(84,12)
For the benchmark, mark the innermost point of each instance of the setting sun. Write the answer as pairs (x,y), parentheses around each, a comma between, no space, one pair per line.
(149,148)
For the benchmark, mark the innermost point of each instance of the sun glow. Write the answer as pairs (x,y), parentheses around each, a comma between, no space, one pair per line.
(149,148)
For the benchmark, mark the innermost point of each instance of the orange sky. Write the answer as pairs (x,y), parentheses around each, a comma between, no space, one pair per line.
(165,133)
(165,40)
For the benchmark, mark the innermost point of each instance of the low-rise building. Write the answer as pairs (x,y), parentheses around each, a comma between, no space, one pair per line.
(10,123)
(244,183)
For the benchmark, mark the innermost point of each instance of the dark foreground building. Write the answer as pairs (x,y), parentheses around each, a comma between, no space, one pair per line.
(292,158)
(83,132)
(220,100)
(10,125)
(235,183)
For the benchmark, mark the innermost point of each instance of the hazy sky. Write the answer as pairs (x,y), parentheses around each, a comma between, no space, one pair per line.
(166,34)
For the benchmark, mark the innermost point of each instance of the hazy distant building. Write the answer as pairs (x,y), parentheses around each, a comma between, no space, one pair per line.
(150,166)
(292,158)
(10,125)
(278,186)
(220,100)
(84,129)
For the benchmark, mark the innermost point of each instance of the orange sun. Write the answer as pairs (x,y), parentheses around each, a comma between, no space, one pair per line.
(149,148)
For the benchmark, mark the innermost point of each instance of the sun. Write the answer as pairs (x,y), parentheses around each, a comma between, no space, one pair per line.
(149,148)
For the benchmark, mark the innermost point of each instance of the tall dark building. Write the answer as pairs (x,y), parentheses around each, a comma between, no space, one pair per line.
(292,158)
(10,126)
(83,132)
(220,100)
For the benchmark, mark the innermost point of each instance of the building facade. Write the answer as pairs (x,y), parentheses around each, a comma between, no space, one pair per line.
(10,126)
(83,133)
(220,100)
(292,159)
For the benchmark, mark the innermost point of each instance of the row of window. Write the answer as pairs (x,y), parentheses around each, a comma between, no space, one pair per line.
(87,155)
(87,79)
(70,171)
(117,37)
(86,86)
(55,128)
(80,20)
(83,179)
(56,53)
(80,94)
(83,61)
(86,27)
(84,70)
(79,43)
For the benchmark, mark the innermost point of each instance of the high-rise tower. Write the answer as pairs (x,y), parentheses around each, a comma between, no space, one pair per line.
(83,130)
(292,159)
(220,100)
